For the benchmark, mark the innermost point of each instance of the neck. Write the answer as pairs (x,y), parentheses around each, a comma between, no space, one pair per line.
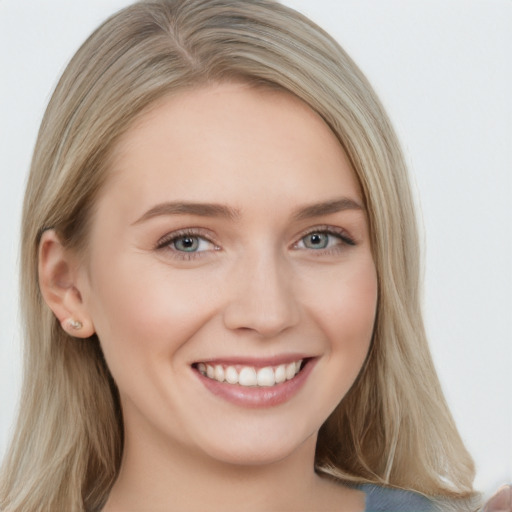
(162,475)
(175,478)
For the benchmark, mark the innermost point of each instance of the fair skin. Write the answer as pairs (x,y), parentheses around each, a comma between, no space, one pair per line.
(231,232)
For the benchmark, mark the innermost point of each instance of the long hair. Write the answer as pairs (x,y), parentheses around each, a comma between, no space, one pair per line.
(393,427)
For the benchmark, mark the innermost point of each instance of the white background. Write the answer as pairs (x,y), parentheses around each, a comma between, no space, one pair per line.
(443,71)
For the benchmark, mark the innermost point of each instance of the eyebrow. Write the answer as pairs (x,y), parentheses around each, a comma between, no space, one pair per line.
(185,208)
(327,207)
(223,211)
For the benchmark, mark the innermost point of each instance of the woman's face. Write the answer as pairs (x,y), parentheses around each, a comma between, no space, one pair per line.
(230,242)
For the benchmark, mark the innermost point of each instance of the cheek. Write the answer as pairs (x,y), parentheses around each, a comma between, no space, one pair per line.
(345,303)
(349,323)
(142,313)
(345,308)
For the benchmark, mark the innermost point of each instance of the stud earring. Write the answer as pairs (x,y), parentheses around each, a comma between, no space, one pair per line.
(75,324)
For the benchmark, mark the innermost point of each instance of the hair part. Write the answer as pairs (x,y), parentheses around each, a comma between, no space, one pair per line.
(393,427)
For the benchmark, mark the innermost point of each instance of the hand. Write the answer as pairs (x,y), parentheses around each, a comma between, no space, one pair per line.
(501,501)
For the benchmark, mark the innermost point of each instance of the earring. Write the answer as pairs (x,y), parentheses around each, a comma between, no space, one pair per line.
(75,324)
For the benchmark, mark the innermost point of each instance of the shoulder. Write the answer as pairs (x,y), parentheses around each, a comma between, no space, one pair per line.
(384,499)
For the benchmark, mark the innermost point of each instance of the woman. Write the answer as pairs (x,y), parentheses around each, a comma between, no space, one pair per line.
(273,118)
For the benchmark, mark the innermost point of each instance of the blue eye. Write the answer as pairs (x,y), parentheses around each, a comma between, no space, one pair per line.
(316,240)
(190,243)
(186,243)
(324,239)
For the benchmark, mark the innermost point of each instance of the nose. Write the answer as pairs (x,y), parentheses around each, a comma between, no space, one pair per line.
(261,297)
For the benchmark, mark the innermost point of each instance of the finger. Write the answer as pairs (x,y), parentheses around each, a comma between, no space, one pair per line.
(501,501)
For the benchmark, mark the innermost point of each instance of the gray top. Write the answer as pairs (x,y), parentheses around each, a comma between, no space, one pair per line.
(382,499)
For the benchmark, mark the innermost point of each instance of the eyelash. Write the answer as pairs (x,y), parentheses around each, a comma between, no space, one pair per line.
(166,242)
(340,234)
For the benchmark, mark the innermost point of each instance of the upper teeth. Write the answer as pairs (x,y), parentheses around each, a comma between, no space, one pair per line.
(249,375)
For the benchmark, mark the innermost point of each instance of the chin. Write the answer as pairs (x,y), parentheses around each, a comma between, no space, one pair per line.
(262,449)
(251,457)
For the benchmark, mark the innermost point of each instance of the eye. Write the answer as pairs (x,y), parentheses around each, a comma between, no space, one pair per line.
(190,243)
(316,240)
(187,244)
(325,238)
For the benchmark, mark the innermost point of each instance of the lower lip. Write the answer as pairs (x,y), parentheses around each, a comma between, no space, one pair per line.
(258,397)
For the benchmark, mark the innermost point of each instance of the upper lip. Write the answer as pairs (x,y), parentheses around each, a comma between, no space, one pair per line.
(256,362)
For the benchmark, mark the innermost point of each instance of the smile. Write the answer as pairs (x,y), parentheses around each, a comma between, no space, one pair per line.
(251,376)
(262,384)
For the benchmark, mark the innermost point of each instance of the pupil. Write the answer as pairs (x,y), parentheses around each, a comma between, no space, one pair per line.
(317,241)
(186,243)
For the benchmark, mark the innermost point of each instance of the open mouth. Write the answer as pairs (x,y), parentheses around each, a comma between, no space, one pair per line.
(251,376)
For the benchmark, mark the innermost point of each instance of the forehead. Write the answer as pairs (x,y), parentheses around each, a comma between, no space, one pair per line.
(224,141)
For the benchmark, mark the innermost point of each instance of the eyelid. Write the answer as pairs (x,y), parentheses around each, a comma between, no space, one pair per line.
(342,234)
(196,232)
(164,243)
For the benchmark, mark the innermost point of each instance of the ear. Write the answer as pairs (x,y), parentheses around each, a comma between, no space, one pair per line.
(58,275)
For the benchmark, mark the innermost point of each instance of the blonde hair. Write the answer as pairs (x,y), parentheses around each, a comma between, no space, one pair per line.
(393,427)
